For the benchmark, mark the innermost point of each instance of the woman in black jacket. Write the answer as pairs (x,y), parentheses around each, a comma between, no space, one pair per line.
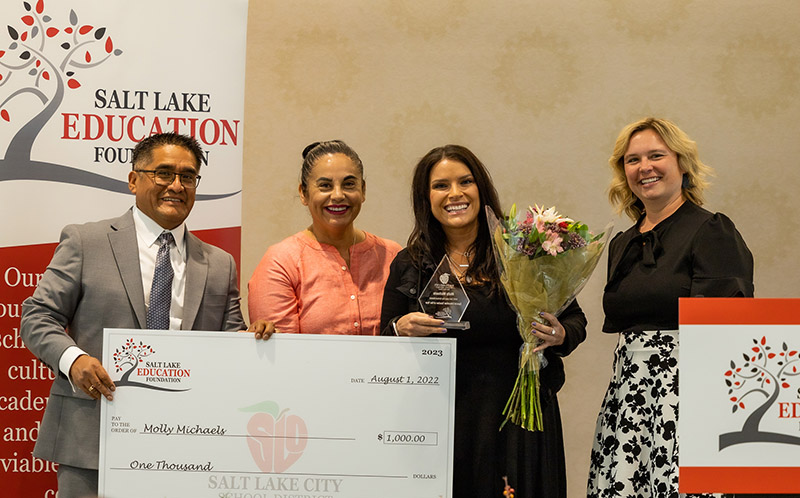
(450,190)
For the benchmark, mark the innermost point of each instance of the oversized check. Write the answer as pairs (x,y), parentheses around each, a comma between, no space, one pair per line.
(216,414)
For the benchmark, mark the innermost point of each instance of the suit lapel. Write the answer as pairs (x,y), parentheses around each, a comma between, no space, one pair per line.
(126,254)
(196,274)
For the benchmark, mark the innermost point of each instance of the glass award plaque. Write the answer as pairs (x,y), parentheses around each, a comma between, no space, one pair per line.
(444,297)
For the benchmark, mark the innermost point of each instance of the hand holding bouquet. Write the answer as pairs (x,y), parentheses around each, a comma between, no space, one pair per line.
(544,259)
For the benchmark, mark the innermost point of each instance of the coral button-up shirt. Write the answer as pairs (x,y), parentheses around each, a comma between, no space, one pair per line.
(306,287)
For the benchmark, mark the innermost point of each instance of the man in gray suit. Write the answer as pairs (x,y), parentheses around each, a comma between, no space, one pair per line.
(116,274)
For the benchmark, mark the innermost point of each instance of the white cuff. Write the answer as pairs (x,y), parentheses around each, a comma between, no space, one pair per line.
(394,327)
(68,357)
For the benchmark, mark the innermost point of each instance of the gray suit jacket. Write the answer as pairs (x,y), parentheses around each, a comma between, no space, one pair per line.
(94,282)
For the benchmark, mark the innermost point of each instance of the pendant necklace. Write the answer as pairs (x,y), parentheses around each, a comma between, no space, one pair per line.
(461,273)
(466,256)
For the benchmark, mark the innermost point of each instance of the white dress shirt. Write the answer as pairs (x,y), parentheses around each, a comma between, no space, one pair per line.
(147,233)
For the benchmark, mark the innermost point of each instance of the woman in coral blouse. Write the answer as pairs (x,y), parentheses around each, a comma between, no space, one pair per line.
(328,278)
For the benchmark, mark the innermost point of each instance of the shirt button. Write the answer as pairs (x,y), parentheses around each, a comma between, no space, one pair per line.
(413,291)
(352,297)
(355,324)
(344,268)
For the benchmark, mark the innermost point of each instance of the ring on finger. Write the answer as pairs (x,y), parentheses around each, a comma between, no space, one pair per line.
(552,331)
(91,388)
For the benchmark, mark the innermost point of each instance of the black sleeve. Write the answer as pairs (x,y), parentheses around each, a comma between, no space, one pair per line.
(574,322)
(722,265)
(398,292)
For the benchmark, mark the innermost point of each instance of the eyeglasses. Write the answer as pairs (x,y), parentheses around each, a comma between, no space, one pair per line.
(165,178)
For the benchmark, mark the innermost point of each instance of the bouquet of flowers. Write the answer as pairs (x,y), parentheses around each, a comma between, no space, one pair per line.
(544,259)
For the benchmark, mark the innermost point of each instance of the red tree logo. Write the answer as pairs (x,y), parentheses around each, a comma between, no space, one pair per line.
(760,378)
(129,355)
(44,58)
(276,438)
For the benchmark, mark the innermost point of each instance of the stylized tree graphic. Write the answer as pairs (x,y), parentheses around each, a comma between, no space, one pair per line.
(51,58)
(129,355)
(762,375)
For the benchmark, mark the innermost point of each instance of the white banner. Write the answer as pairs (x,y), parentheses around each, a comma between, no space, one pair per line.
(739,425)
(87,79)
(81,82)
(305,416)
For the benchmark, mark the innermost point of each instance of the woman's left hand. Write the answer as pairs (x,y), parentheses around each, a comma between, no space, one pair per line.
(549,335)
(262,329)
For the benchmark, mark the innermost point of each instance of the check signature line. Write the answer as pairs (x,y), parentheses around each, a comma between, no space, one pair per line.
(321,438)
(379,476)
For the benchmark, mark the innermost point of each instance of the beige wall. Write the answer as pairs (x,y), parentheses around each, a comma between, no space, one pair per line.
(538,90)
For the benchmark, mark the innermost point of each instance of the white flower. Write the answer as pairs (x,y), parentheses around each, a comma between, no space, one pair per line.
(549,215)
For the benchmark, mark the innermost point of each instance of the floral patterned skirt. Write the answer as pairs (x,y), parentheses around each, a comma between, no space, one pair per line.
(635,450)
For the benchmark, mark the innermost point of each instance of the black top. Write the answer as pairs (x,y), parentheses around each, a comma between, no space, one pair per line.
(692,253)
(487,360)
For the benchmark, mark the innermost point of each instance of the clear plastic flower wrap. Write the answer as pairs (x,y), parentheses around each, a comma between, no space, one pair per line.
(544,260)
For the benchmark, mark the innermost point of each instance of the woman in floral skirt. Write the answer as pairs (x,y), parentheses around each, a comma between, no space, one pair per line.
(675,249)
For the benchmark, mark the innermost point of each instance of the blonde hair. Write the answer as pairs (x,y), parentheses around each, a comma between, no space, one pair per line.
(695,172)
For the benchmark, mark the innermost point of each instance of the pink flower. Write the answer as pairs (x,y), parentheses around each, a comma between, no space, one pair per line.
(553,244)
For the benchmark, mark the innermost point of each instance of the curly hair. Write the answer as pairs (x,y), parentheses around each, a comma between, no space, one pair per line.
(695,172)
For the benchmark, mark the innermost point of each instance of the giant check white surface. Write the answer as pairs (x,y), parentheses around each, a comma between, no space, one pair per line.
(217,414)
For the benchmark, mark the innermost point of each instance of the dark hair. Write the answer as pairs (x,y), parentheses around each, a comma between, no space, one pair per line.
(428,240)
(313,152)
(143,152)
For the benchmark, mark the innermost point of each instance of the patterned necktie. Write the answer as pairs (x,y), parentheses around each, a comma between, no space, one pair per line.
(161,291)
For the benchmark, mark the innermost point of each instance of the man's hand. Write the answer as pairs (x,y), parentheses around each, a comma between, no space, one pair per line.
(262,329)
(88,374)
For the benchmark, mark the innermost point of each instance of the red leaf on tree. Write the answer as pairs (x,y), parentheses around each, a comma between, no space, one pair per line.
(753,358)
(24,36)
(785,385)
(51,32)
(755,350)
(28,20)
(741,405)
(4,115)
(68,29)
(38,62)
(109,45)
(733,399)
(88,56)
(739,369)
(792,353)
(728,373)
(767,380)
(2,53)
(73,83)
(40,6)
(763,340)
(737,383)
(46,75)
(771,355)
(85,29)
